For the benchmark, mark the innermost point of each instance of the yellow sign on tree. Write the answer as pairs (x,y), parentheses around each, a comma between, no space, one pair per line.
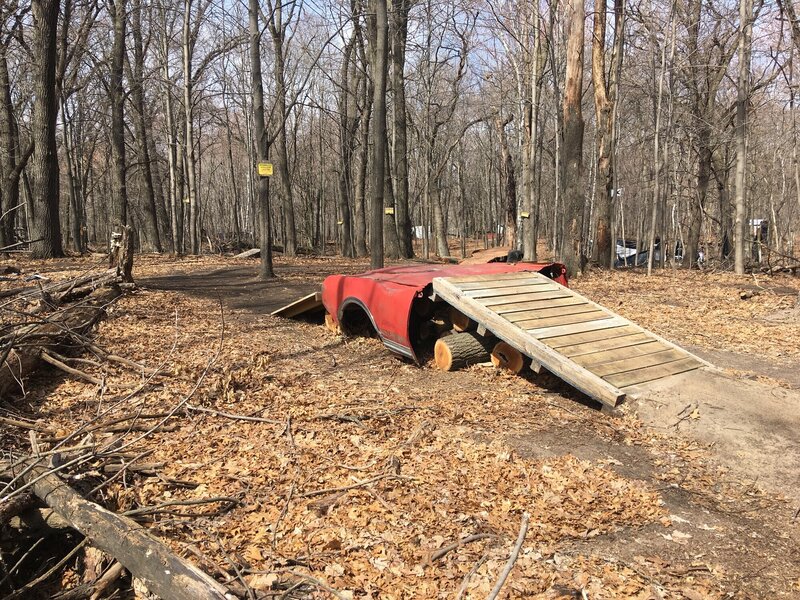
(265,169)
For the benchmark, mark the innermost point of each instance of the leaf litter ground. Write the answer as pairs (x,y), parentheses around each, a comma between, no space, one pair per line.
(368,466)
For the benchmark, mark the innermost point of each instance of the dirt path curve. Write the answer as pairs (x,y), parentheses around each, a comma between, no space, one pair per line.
(239,286)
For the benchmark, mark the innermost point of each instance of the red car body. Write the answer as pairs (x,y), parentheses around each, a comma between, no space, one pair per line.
(393,298)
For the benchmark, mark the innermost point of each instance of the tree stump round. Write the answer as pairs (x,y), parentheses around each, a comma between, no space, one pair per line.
(460,350)
(505,356)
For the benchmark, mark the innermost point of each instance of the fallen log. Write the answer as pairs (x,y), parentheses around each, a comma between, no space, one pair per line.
(145,557)
(66,291)
(460,350)
(29,341)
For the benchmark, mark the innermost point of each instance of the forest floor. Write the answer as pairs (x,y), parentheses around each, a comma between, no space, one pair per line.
(363,466)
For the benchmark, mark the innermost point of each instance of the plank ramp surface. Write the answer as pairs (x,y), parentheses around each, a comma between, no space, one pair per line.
(590,347)
(306,304)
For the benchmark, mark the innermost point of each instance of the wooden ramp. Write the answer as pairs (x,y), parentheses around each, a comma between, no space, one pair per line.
(588,346)
(306,304)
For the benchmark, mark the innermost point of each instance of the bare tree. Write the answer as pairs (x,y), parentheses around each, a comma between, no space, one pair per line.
(380,65)
(45,230)
(572,179)
(605,99)
(262,144)
(742,99)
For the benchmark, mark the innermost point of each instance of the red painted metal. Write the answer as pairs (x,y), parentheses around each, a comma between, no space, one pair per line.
(387,295)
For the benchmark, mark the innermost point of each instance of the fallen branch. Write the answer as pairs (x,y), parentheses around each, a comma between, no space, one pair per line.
(159,508)
(164,573)
(444,550)
(218,413)
(351,487)
(523,531)
(25,356)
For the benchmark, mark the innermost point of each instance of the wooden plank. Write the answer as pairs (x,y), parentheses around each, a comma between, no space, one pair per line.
(650,373)
(298,307)
(503,283)
(593,315)
(566,369)
(505,309)
(615,354)
(572,339)
(640,362)
(521,289)
(641,329)
(542,333)
(517,298)
(492,277)
(597,346)
(547,311)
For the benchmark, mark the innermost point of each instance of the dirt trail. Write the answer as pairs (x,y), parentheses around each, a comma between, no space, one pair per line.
(753,427)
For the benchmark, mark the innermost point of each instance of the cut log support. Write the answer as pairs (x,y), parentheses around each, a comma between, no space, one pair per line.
(460,350)
(332,325)
(164,573)
(505,356)
(460,321)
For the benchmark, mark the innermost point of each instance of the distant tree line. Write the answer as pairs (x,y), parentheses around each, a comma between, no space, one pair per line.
(396,127)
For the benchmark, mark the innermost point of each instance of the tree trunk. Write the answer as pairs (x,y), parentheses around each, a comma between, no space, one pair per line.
(187,49)
(572,179)
(742,98)
(45,226)
(509,183)
(9,153)
(281,158)
(137,95)
(379,142)
(261,142)
(348,125)
(604,100)
(119,203)
(399,34)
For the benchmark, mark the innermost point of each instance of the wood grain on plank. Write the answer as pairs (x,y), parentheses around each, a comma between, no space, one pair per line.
(630,378)
(613,354)
(640,362)
(492,277)
(594,315)
(525,297)
(547,311)
(522,288)
(507,283)
(542,333)
(574,339)
(505,309)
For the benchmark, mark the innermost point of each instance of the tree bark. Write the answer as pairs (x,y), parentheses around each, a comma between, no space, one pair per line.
(605,96)
(119,203)
(277,27)
(187,49)
(266,270)
(45,224)
(572,179)
(147,558)
(509,183)
(379,73)
(153,235)
(742,98)
(399,35)
(348,124)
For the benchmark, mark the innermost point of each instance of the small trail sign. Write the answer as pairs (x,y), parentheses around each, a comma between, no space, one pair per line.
(265,169)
